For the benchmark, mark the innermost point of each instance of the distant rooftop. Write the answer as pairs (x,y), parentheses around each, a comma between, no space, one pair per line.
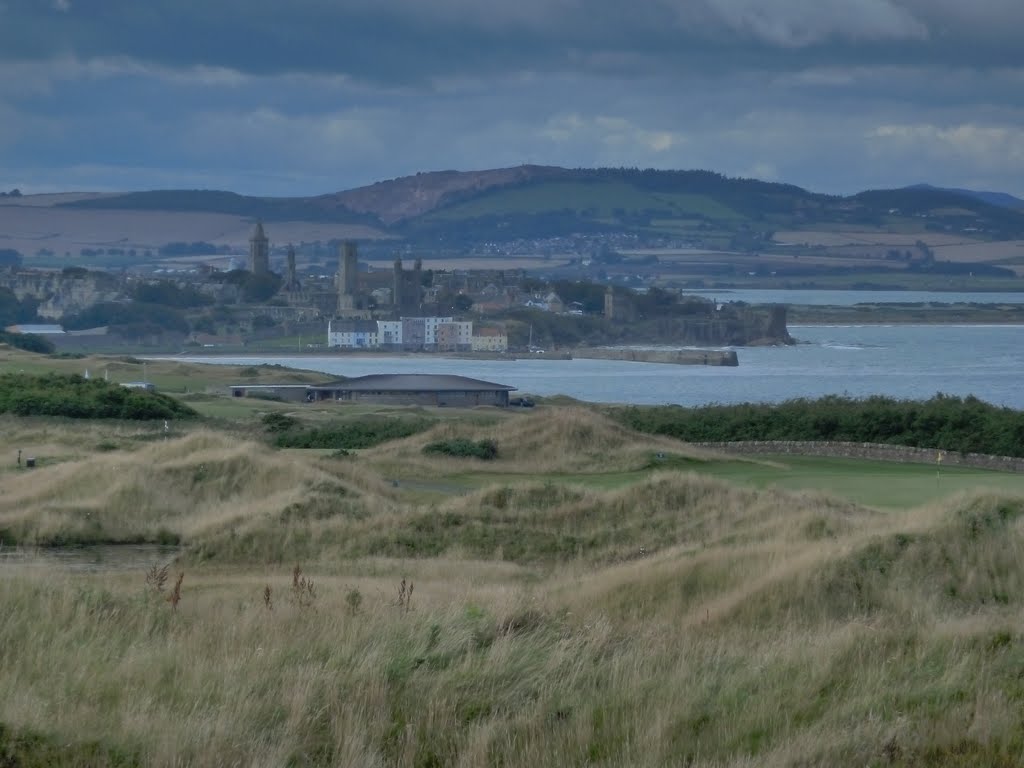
(38,329)
(412,382)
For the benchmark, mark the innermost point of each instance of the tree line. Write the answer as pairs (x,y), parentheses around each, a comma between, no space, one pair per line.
(944,422)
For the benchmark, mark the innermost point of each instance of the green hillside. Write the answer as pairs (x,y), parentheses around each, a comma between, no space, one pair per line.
(539,202)
(599,199)
(683,202)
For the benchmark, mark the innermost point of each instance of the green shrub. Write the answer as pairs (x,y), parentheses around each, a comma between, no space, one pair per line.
(358,433)
(461,447)
(76,397)
(279,422)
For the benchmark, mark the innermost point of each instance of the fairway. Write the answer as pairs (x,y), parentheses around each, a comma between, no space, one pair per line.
(878,484)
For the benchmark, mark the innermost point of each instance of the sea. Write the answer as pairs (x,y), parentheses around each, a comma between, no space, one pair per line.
(902,361)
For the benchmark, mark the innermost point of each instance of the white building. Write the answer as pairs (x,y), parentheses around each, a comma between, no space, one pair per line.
(352,334)
(430,325)
(389,333)
(413,333)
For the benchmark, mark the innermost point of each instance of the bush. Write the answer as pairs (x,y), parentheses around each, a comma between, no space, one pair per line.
(279,422)
(80,398)
(361,433)
(461,447)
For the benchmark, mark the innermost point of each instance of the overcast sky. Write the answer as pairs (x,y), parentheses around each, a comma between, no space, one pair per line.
(295,97)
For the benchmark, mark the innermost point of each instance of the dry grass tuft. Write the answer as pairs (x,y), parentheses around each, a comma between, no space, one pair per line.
(167,491)
(156,578)
(546,441)
(175,597)
(303,589)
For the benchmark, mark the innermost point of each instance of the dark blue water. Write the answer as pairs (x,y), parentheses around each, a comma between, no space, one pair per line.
(849,298)
(903,361)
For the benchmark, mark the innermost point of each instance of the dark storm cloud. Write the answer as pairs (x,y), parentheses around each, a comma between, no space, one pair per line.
(317,95)
(406,40)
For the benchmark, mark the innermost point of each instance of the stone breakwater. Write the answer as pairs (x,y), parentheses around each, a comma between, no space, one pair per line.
(877,451)
(673,356)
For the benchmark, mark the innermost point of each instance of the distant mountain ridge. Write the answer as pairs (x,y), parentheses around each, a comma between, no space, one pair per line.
(1001,199)
(527,201)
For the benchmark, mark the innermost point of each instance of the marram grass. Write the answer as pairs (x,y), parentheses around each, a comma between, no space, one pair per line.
(319,615)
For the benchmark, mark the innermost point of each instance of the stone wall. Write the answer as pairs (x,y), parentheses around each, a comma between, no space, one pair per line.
(675,356)
(876,451)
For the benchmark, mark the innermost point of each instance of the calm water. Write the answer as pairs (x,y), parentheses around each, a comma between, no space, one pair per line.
(100,558)
(849,298)
(903,361)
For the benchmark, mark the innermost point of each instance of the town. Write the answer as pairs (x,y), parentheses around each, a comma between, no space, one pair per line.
(359,307)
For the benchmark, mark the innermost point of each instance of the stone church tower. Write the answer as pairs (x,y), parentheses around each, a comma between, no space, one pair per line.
(348,276)
(291,283)
(259,251)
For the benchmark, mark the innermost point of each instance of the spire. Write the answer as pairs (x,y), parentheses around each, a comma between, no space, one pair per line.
(257,233)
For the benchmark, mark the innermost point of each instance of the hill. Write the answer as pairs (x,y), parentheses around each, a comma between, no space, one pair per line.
(1001,199)
(540,201)
(531,210)
(411,196)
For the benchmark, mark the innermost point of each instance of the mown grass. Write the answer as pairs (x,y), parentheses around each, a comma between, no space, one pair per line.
(873,483)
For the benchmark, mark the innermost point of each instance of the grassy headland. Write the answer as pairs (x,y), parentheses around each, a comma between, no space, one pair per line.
(590,595)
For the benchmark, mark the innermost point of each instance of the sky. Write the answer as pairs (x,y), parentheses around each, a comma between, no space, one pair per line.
(307,97)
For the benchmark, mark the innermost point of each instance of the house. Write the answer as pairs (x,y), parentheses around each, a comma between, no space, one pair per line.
(555,303)
(549,302)
(389,334)
(414,333)
(352,334)
(414,389)
(490,340)
(456,336)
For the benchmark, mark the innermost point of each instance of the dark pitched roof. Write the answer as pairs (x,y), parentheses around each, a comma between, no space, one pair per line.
(407,382)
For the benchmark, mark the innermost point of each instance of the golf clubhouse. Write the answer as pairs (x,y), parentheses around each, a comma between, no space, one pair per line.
(389,388)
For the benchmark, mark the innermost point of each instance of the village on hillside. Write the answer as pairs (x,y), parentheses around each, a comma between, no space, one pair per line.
(358,307)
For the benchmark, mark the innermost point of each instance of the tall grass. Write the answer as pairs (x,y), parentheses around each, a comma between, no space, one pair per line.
(549,441)
(174,490)
(737,655)
(675,621)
